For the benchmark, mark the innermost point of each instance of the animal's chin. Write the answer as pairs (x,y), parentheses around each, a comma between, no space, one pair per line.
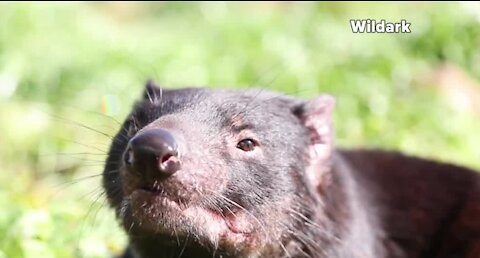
(154,213)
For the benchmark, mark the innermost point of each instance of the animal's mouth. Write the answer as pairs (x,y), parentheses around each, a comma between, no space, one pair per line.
(161,213)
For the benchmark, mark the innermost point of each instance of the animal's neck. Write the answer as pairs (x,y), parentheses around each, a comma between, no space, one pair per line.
(349,228)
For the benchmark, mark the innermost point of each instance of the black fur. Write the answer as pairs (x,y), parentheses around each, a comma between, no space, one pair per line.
(290,202)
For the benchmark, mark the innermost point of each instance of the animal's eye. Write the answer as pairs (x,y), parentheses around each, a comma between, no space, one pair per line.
(247,145)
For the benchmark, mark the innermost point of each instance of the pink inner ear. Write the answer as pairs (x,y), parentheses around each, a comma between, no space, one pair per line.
(317,117)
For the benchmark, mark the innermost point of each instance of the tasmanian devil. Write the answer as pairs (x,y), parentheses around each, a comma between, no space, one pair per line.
(230,173)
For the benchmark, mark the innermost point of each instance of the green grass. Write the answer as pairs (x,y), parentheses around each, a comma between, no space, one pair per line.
(57,62)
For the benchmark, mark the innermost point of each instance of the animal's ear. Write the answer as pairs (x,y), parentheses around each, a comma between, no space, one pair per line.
(152,91)
(317,116)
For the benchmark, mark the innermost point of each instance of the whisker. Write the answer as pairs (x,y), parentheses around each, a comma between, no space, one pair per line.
(85,145)
(76,108)
(184,246)
(81,125)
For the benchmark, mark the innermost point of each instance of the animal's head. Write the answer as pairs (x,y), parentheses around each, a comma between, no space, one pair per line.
(226,172)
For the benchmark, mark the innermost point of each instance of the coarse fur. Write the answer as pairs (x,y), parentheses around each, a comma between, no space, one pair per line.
(294,195)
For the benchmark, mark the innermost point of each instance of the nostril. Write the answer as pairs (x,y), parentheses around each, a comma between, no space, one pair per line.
(165,158)
(169,164)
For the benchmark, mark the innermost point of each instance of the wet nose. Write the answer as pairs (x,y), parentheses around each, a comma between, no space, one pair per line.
(153,153)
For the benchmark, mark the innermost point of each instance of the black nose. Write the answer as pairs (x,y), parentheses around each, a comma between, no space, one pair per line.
(153,153)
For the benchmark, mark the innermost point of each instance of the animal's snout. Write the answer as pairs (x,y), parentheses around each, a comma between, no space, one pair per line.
(153,153)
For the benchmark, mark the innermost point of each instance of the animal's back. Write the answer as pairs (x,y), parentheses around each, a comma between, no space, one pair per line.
(426,208)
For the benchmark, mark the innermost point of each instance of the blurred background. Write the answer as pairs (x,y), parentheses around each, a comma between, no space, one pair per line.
(70,71)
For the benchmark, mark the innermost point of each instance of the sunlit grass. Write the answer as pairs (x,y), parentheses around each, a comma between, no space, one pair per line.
(58,61)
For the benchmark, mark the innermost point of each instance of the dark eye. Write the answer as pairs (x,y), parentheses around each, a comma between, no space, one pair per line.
(247,145)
